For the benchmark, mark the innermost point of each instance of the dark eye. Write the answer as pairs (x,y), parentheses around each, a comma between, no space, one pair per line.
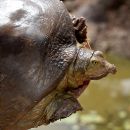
(94,62)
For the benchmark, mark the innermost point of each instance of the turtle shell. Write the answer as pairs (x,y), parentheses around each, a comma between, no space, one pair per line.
(37,44)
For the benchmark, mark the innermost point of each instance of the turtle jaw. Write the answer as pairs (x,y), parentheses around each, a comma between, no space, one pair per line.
(109,68)
(99,76)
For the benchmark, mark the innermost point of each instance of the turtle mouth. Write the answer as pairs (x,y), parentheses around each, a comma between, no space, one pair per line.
(79,90)
(111,70)
(99,77)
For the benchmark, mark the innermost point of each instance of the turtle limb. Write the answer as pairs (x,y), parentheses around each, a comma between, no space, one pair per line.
(80,28)
(62,106)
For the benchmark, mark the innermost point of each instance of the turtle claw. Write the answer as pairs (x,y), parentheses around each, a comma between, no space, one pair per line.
(80,29)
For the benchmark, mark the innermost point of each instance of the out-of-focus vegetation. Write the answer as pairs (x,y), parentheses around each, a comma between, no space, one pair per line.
(106,102)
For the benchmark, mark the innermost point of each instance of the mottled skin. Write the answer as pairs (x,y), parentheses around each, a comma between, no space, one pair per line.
(38,52)
(87,65)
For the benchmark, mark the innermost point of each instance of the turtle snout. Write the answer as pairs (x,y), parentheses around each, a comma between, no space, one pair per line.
(111,68)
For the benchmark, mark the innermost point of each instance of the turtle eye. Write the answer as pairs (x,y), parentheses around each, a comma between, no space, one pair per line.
(94,62)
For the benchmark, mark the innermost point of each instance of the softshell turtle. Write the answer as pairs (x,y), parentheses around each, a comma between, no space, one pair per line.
(42,68)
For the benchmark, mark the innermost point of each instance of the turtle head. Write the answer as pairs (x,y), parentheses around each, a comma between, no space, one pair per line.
(98,67)
(92,64)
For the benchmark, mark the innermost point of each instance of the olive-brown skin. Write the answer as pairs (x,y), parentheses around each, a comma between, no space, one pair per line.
(37,44)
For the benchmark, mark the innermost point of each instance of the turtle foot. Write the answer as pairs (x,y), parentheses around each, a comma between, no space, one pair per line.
(80,29)
(62,106)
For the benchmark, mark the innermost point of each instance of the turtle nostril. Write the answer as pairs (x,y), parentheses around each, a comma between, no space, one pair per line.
(113,69)
(99,53)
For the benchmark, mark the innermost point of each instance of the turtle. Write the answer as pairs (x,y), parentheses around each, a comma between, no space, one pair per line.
(44,63)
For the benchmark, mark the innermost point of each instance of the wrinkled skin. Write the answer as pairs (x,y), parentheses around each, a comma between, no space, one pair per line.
(38,52)
(87,65)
